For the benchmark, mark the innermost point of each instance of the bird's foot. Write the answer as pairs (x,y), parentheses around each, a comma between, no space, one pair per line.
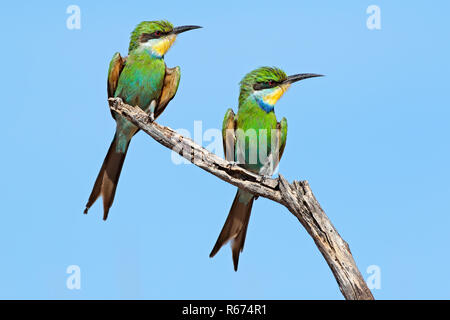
(265,177)
(151,111)
(231,165)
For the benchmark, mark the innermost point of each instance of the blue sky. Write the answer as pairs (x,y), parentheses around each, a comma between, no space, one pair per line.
(372,138)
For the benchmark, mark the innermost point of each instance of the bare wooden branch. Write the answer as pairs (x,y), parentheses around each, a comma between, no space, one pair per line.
(296,197)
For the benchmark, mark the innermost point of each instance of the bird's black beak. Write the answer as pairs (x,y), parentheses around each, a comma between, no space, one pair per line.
(182,29)
(301,76)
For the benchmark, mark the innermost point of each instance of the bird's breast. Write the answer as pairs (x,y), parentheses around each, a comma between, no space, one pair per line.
(141,81)
(254,138)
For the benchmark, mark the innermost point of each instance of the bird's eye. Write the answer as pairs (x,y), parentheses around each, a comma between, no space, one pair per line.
(157,33)
(270,82)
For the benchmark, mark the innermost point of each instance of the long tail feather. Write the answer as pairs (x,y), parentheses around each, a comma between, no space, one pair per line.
(108,177)
(235,227)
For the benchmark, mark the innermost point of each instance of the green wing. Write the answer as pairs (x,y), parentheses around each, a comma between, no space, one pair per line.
(170,87)
(281,136)
(228,134)
(115,69)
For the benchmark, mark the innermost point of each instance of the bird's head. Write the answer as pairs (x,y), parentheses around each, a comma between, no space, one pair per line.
(156,36)
(267,85)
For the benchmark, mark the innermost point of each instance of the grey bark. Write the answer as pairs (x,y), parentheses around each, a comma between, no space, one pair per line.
(297,197)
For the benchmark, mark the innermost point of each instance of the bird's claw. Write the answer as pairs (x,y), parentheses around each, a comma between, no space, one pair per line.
(231,165)
(265,177)
(151,111)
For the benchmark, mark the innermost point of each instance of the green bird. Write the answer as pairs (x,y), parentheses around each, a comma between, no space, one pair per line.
(255,140)
(140,79)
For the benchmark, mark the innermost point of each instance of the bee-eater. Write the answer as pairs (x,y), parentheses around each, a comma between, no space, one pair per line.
(140,79)
(254,140)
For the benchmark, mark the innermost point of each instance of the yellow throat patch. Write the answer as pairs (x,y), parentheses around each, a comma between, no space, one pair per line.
(275,95)
(164,44)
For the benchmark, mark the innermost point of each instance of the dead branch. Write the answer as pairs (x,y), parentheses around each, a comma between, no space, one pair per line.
(297,197)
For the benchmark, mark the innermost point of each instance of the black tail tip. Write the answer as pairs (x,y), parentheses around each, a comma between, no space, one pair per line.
(214,250)
(235,264)
(105,212)
(86,210)
(235,260)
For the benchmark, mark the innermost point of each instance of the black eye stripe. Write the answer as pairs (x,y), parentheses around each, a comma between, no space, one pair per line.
(147,36)
(265,85)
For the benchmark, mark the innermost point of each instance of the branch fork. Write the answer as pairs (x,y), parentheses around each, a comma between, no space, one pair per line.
(297,197)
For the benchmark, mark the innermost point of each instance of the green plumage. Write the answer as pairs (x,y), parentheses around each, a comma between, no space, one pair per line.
(261,74)
(138,80)
(251,118)
(142,78)
(254,140)
(147,27)
(248,132)
(256,128)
